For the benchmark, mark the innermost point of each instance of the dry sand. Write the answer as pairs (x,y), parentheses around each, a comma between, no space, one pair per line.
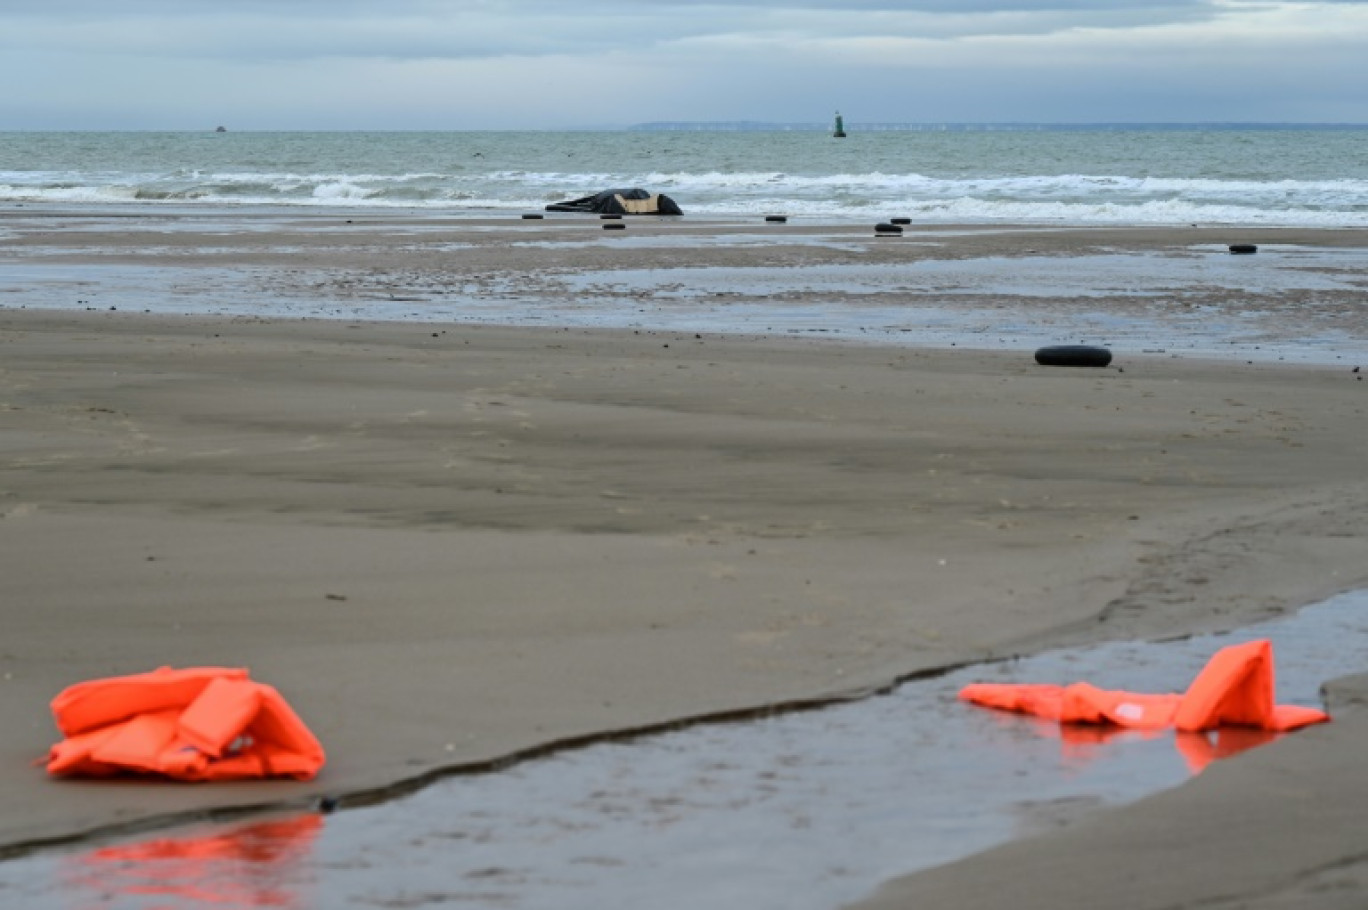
(449,543)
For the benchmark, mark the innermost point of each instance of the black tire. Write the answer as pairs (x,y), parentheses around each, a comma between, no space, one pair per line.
(885,228)
(1243,249)
(610,217)
(777,219)
(615,226)
(533,217)
(900,221)
(1073,355)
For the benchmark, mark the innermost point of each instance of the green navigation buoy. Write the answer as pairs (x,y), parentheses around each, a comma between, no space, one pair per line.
(839,132)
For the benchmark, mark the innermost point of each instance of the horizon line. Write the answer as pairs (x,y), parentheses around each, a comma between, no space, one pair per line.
(771,126)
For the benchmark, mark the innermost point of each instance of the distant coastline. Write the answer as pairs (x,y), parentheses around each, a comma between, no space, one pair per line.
(759,126)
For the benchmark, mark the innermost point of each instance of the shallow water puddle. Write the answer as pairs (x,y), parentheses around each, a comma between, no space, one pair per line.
(1140,302)
(804,810)
(1141,274)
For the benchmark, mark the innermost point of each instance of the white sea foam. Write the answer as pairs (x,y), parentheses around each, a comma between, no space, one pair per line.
(839,198)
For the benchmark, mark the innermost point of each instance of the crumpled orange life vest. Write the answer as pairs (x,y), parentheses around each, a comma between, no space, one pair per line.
(1235,688)
(196,724)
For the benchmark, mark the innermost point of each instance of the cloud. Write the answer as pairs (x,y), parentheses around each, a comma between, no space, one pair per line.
(518,63)
(416,29)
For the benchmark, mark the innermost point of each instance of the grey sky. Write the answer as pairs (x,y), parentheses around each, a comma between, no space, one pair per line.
(490,64)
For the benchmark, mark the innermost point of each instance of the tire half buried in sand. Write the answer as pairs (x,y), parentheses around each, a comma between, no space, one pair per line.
(1073,355)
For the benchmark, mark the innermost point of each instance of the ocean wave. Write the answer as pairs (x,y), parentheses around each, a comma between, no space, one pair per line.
(1068,198)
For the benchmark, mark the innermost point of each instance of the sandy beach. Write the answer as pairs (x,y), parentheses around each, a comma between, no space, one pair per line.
(449,542)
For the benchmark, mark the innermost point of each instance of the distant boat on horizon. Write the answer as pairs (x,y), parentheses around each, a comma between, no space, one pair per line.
(839,132)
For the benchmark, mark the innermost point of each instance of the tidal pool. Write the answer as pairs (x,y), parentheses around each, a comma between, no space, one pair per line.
(808,810)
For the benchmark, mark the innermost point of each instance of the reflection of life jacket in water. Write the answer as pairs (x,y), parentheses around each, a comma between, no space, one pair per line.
(1235,688)
(263,864)
(201,723)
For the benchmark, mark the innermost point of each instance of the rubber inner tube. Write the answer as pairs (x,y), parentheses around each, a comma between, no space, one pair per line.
(615,226)
(1073,355)
(533,217)
(886,228)
(900,220)
(610,217)
(1243,249)
(778,219)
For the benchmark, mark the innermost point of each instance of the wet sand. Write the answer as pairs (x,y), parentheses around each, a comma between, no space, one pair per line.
(447,542)
(1279,827)
(1176,291)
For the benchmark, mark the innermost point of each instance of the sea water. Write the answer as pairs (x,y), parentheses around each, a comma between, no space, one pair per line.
(1300,177)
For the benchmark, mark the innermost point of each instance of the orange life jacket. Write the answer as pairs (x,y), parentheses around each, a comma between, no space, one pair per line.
(201,723)
(1235,688)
